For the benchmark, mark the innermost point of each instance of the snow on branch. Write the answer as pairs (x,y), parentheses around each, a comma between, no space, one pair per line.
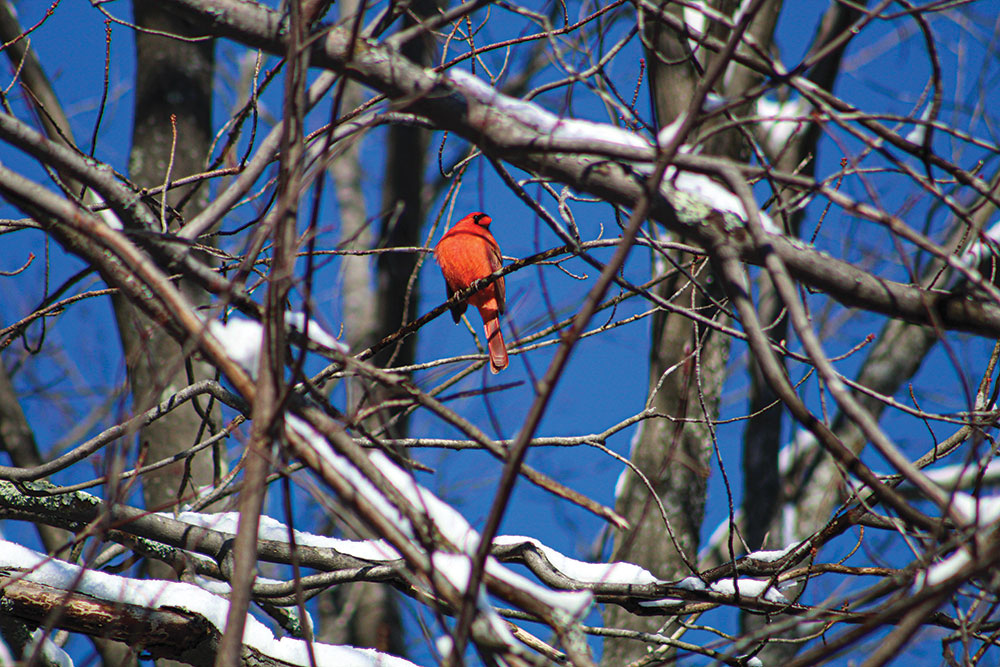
(189,626)
(460,540)
(567,584)
(581,571)
(780,121)
(566,135)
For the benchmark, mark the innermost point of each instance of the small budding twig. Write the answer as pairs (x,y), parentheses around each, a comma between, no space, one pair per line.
(170,167)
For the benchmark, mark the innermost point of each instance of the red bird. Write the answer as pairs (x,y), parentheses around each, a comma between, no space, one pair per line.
(466,253)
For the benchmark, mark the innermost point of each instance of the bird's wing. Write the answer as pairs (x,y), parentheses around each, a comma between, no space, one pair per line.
(457,309)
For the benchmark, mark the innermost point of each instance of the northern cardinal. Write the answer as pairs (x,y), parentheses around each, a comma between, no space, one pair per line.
(466,253)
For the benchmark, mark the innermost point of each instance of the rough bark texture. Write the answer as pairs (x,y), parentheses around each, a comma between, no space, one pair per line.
(173,80)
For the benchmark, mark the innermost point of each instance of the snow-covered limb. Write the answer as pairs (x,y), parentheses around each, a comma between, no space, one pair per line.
(963,476)
(802,444)
(942,570)
(613,573)
(620,583)
(198,550)
(754,588)
(276,531)
(981,512)
(919,132)
(691,584)
(379,550)
(780,121)
(296,321)
(716,196)
(154,594)
(456,532)
(773,555)
(563,134)
(581,572)
(434,539)
(242,338)
(661,602)
(603,137)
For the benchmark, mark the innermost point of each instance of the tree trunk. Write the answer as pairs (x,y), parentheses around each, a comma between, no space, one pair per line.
(676,455)
(173,80)
(173,85)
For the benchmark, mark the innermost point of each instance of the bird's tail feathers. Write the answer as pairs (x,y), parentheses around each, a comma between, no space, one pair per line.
(494,339)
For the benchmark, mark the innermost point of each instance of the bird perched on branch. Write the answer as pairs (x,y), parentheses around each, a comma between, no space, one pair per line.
(466,253)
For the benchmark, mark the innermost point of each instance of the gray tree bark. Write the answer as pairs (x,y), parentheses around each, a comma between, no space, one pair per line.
(687,363)
(379,296)
(173,88)
(173,79)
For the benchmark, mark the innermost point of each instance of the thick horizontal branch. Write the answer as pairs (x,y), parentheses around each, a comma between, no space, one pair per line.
(75,510)
(163,633)
(165,619)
